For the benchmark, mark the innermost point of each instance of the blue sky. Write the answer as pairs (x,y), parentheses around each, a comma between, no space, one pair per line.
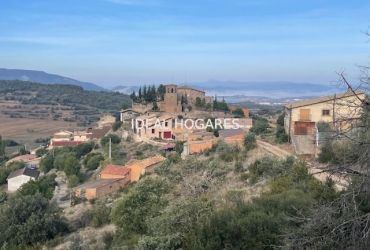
(129,42)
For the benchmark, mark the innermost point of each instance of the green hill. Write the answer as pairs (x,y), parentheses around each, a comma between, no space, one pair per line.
(60,94)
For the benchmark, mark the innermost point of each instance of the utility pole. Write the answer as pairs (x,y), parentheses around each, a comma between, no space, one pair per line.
(110,148)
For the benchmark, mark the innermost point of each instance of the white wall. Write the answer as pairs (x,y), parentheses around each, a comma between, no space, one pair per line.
(15,183)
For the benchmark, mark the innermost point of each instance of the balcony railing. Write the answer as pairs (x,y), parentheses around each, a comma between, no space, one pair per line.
(304,117)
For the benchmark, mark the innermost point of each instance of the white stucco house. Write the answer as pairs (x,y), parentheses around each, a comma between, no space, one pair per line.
(17,178)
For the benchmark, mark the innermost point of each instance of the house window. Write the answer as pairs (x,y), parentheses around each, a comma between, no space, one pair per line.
(325,112)
(166,124)
(153,130)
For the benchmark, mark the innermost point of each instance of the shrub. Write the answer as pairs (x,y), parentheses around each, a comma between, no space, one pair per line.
(116,126)
(326,154)
(73,181)
(250,141)
(259,126)
(23,213)
(100,215)
(114,139)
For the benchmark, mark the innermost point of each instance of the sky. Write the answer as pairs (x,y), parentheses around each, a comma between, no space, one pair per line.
(135,42)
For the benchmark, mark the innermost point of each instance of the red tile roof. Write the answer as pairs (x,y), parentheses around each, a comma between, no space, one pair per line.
(115,170)
(167,146)
(66,143)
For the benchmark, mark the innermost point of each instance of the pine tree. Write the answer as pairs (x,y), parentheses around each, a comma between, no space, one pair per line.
(215,104)
(161,91)
(145,94)
(2,147)
(153,93)
(140,95)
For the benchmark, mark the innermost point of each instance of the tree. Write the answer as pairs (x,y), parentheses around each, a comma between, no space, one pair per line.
(73,181)
(94,162)
(124,105)
(116,126)
(344,222)
(143,201)
(114,139)
(72,166)
(208,106)
(140,95)
(133,96)
(280,119)
(238,113)
(198,102)
(155,106)
(161,91)
(281,136)
(2,147)
(29,220)
(250,141)
(153,93)
(203,104)
(179,146)
(45,186)
(259,126)
(145,93)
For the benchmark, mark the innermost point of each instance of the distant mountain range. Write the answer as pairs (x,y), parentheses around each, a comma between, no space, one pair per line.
(244,91)
(45,78)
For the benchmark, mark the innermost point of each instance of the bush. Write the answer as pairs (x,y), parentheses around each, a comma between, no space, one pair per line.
(116,126)
(114,139)
(73,181)
(327,154)
(143,201)
(259,126)
(31,212)
(174,157)
(281,136)
(250,141)
(100,215)
(45,186)
(92,160)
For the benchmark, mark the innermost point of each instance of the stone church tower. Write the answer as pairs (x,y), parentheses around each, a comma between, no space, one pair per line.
(170,102)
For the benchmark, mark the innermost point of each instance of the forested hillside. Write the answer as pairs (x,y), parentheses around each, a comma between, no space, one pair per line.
(62,94)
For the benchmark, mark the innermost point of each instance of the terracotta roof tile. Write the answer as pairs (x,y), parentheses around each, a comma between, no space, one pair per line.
(66,143)
(96,183)
(152,160)
(115,170)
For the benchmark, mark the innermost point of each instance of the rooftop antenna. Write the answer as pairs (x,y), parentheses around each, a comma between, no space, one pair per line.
(172,79)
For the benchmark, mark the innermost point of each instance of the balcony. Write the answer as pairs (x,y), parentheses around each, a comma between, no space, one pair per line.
(304,117)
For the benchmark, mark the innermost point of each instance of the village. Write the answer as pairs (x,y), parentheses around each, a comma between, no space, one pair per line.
(176,121)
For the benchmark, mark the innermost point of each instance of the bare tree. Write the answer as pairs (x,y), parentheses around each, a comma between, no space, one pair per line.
(345,222)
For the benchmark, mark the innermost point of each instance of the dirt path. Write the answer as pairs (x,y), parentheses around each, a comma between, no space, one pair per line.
(61,190)
(341,182)
(273,149)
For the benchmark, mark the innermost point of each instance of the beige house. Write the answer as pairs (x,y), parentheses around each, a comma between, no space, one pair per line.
(341,111)
(62,136)
(150,126)
(127,115)
(104,119)
(79,136)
